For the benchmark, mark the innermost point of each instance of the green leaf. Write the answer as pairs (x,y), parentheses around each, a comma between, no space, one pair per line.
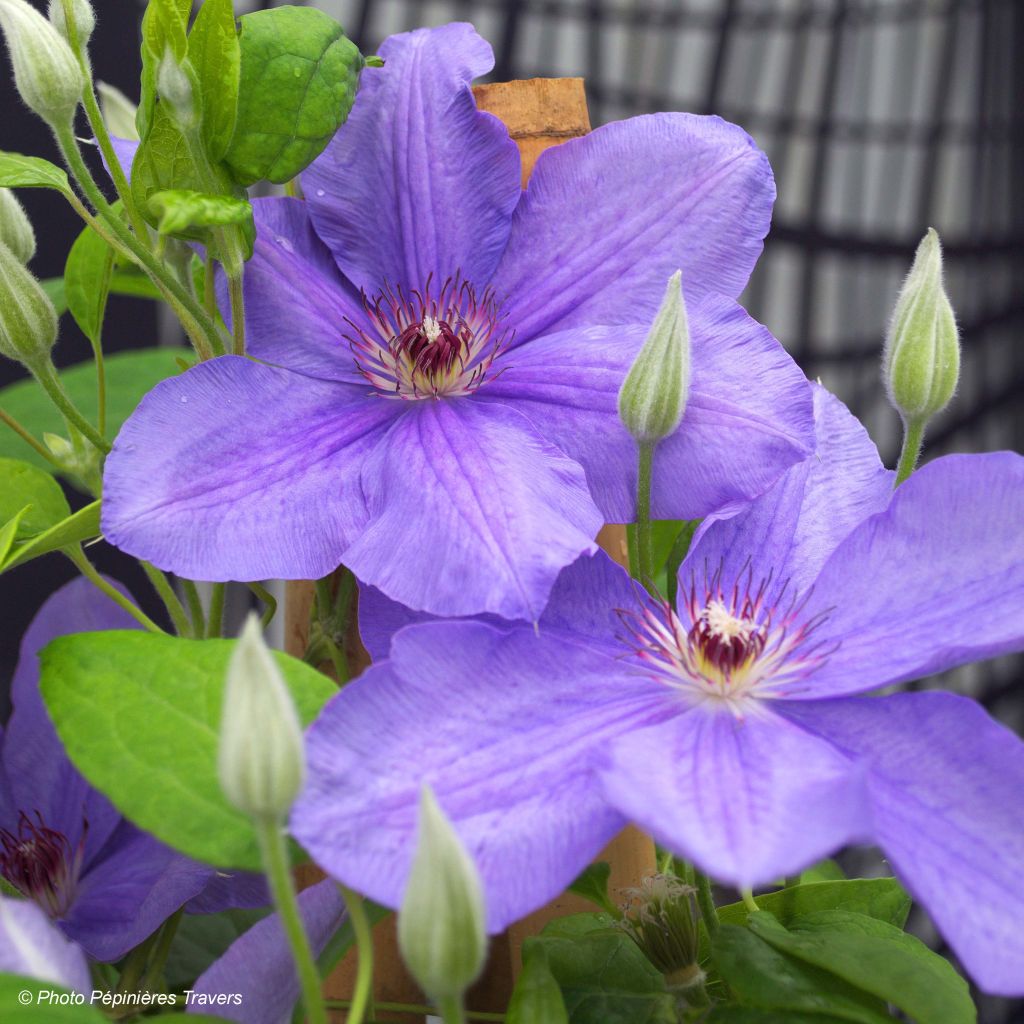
(32,495)
(83,526)
(8,532)
(129,376)
(87,275)
(203,938)
(181,210)
(164,727)
(760,976)
(604,977)
(135,285)
(877,958)
(592,884)
(162,162)
(298,82)
(17,171)
(536,999)
(54,288)
(12,991)
(827,871)
(745,1015)
(216,56)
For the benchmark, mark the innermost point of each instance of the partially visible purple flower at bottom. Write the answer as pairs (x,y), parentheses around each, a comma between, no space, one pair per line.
(258,966)
(33,947)
(106,883)
(730,731)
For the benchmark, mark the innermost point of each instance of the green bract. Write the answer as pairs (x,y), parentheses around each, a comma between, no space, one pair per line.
(163,727)
(181,211)
(18,171)
(33,494)
(87,276)
(82,526)
(299,80)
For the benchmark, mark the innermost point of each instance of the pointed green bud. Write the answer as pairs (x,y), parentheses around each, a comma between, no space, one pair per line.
(261,761)
(118,112)
(82,12)
(46,71)
(15,227)
(28,321)
(921,362)
(653,396)
(175,89)
(441,924)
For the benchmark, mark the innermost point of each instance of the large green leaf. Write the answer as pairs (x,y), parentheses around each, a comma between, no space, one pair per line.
(877,958)
(762,977)
(298,82)
(203,938)
(139,714)
(215,56)
(537,999)
(746,1015)
(34,494)
(87,274)
(17,171)
(83,526)
(129,376)
(604,977)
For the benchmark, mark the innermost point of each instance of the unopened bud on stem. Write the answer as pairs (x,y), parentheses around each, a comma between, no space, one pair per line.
(175,89)
(85,20)
(921,363)
(15,228)
(261,759)
(28,321)
(441,924)
(46,71)
(653,396)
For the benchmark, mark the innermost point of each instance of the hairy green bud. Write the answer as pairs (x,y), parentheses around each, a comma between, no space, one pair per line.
(261,760)
(28,321)
(84,18)
(441,923)
(46,71)
(921,361)
(653,396)
(174,86)
(15,227)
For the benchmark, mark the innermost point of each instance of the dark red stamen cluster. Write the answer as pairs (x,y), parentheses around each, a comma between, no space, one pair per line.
(727,652)
(41,864)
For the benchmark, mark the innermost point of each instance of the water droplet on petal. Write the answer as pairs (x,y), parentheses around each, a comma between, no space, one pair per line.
(184,400)
(320,193)
(284,243)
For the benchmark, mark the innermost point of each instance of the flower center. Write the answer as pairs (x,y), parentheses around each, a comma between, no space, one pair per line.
(41,864)
(729,647)
(434,343)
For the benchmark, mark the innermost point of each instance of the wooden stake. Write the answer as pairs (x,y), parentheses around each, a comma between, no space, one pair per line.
(539,113)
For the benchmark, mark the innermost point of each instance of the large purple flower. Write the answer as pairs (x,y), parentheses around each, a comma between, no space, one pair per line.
(730,731)
(440,354)
(107,884)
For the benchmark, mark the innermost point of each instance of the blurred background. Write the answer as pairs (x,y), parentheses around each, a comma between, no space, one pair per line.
(880,117)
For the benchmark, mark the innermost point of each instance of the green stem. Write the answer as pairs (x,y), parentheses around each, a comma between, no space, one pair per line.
(706,902)
(237,293)
(748,900)
(86,568)
(452,1011)
(913,439)
(37,446)
(215,617)
(162,585)
(268,599)
(362,996)
(163,949)
(282,885)
(645,561)
(209,283)
(136,964)
(46,375)
(195,608)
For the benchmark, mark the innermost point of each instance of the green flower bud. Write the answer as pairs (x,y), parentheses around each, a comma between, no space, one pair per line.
(118,112)
(660,917)
(654,394)
(175,89)
(15,227)
(82,12)
(441,924)
(28,321)
(261,761)
(921,361)
(46,71)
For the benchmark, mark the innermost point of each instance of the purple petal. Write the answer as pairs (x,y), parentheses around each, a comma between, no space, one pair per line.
(790,531)
(504,726)
(31,946)
(608,218)
(419,182)
(226,890)
(748,419)
(258,966)
(237,470)
(133,886)
(471,511)
(40,777)
(944,783)
(296,301)
(124,150)
(748,800)
(935,581)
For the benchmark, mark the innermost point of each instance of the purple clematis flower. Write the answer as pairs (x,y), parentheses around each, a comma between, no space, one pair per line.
(63,845)
(440,354)
(33,947)
(730,730)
